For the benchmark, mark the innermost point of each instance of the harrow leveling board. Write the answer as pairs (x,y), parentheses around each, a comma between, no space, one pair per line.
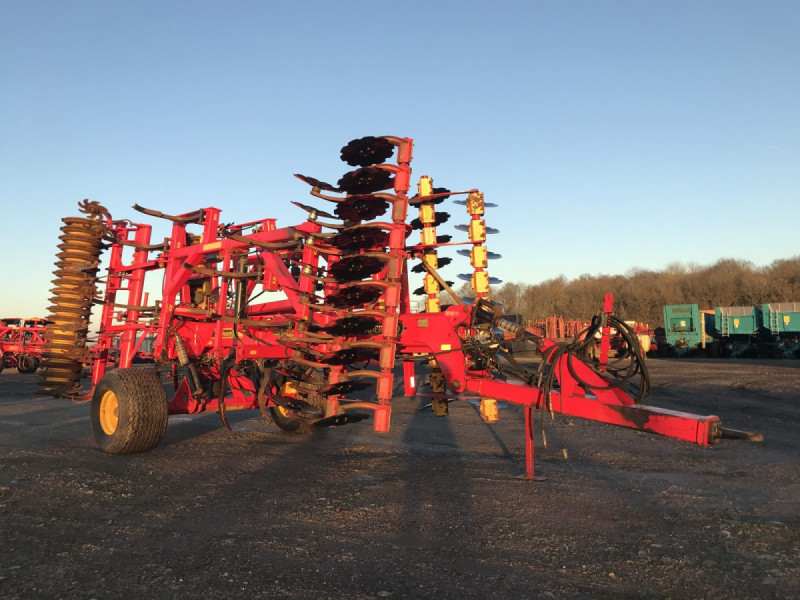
(292,321)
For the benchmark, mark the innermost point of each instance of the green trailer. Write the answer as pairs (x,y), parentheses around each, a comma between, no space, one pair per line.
(783,321)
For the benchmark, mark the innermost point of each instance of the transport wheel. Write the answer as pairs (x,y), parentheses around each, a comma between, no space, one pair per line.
(283,418)
(129,411)
(27,364)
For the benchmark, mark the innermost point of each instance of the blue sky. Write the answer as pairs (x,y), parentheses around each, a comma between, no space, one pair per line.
(613,135)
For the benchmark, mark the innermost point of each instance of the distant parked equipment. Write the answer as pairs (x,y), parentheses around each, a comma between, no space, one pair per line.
(768,331)
(21,343)
(686,327)
(783,321)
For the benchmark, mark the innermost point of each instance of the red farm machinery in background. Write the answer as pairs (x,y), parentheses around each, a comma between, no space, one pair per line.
(306,323)
(21,343)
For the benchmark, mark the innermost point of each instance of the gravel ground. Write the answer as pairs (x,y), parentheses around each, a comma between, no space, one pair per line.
(430,510)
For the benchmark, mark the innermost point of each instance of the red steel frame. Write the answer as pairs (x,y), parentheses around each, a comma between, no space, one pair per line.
(212,332)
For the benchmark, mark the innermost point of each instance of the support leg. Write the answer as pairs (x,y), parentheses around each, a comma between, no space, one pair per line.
(529,447)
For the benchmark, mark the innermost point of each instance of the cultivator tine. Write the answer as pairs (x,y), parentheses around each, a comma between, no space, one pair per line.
(343,419)
(194,217)
(349,356)
(313,213)
(316,183)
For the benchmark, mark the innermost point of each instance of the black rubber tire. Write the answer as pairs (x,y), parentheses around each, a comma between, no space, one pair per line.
(141,410)
(27,364)
(2,363)
(288,424)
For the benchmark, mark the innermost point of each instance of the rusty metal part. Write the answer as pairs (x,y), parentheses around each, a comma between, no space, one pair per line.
(366,151)
(366,180)
(93,210)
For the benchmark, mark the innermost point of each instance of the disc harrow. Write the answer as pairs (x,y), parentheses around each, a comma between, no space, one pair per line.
(307,323)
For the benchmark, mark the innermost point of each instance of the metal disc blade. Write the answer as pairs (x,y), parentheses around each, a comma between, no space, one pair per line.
(495,281)
(489,254)
(464,277)
(356,295)
(348,356)
(361,207)
(443,239)
(439,195)
(462,227)
(349,326)
(360,238)
(317,183)
(491,230)
(486,204)
(441,217)
(355,268)
(366,151)
(443,262)
(366,180)
(296,405)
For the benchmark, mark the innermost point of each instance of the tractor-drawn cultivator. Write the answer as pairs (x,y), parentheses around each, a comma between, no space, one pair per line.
(306,323)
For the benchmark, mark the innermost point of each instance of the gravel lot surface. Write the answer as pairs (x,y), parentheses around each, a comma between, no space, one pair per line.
(430,510)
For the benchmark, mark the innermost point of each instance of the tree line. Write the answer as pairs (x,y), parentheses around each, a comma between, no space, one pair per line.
(640,295)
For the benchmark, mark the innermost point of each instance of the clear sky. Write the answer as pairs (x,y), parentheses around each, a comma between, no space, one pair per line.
(613,134)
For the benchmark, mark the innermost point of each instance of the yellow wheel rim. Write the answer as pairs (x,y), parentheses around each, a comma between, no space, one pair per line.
(282,411)
(109,412)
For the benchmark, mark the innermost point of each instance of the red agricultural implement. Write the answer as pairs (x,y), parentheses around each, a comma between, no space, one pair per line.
(21,343)
(306,323)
